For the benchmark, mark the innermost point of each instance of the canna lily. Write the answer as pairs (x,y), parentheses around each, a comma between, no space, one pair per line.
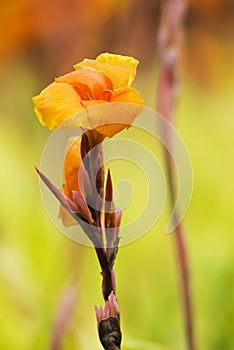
(103,81)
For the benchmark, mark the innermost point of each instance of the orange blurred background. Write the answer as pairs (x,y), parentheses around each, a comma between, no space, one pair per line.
(52,35)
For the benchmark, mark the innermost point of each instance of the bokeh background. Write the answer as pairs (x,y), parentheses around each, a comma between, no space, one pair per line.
(39,267)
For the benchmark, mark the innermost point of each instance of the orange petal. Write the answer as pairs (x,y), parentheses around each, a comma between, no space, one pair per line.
(57,103)
(72,181)
(92,103)
(120,69)
(66,217)
(128,95)
(72,164)
(89,84)
(110,118)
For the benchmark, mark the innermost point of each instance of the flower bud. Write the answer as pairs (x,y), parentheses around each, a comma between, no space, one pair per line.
(108,319)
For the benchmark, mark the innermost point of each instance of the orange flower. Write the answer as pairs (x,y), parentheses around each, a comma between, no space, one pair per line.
(105,80)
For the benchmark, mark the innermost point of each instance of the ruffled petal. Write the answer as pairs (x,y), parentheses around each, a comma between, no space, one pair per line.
(90,84)
(120,69)
(68,102)
(57,103)
(125,68)
(110,118)
(128,95)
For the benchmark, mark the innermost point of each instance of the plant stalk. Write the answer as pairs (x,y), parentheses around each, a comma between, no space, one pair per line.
(170,39)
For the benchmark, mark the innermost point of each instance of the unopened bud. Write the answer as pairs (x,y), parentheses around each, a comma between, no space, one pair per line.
(108,319)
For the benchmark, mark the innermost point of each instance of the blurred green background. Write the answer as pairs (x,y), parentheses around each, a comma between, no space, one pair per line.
(38,265)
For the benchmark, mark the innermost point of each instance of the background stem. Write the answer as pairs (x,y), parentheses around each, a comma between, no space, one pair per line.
(170,37)
(182,256)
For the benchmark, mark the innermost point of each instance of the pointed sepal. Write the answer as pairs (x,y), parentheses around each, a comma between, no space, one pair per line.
(81,206)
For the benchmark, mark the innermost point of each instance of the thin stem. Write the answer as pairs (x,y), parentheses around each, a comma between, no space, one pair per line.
(170,50)
(184,271)
(92,155)
(182,260)
(107,273)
